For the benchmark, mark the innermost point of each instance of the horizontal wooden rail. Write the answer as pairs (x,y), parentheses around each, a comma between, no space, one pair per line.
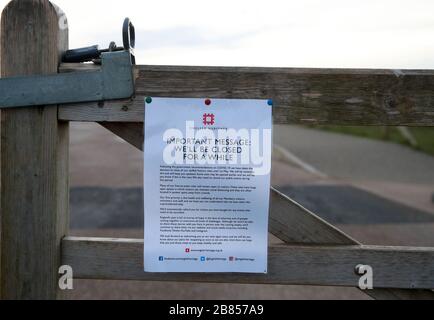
(394,267)
(301,96)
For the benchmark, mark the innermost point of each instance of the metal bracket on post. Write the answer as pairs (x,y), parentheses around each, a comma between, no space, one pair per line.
(114,80)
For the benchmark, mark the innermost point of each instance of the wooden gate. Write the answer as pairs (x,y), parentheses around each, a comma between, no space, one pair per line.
(34,166)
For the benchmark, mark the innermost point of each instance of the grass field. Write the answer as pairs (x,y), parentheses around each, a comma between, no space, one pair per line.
(423,136)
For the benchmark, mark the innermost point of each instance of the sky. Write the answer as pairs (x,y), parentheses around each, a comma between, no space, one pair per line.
(391,34)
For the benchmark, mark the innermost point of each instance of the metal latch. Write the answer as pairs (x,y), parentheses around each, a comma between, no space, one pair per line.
(114,80)
(93,53)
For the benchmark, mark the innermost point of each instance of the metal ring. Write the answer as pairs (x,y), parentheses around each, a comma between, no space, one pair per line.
(129,35)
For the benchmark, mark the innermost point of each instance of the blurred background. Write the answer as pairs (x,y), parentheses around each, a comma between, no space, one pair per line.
(310,33)
(375,183)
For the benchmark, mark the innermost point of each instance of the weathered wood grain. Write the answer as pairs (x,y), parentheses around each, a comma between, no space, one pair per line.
(301,96)
(358,97)
(290,222)
(294,224)
(130,132)
(122,259)
(34,158)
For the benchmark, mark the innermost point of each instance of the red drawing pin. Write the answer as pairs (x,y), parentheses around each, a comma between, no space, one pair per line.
(208,102)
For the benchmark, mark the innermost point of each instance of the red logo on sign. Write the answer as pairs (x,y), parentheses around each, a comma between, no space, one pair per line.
(187,250)
(208,119)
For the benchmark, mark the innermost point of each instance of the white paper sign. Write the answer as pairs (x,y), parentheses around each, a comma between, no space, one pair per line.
(207,185)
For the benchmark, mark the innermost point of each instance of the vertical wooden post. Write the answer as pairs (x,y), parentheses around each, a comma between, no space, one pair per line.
(34,157)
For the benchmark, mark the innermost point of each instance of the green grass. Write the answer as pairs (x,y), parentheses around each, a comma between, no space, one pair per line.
(423,136)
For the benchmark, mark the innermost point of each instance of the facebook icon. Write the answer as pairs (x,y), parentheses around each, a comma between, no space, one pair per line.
(161,258)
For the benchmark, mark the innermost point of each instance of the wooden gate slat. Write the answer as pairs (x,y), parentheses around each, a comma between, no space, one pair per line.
(395,267)
(301,96)
(289,221)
